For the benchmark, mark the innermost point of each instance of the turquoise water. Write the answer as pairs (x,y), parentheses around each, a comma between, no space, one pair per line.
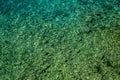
(59,40)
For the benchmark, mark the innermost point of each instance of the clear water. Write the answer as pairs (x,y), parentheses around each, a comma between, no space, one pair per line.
(59,40)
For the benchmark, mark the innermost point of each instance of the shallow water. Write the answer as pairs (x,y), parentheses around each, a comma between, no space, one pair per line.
(59,40)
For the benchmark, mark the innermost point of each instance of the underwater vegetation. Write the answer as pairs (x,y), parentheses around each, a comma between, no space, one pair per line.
(59,40)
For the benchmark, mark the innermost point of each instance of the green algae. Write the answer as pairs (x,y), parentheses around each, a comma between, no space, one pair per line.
(84,47)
